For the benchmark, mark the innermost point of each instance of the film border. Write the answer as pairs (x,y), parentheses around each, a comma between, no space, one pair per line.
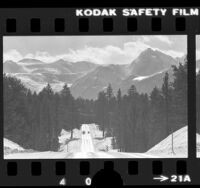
(22,21)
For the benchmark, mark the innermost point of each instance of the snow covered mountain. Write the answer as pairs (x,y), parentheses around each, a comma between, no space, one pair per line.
(35,74)
(146,72)
(145,84)
(88,79)
(151,61)
(91,84)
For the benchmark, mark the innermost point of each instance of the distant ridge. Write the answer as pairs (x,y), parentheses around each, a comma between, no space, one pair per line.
(87,79)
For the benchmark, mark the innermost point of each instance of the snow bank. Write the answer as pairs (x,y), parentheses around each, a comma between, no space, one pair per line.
(164,148)
(66,135)
(103,144)
(11,147)
(66,143)
(95,131)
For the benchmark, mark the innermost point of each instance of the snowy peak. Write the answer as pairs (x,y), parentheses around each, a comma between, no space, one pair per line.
(150,62)
(87,79)
(148,52)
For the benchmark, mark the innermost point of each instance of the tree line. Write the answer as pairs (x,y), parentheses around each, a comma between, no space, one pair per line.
(138,121)
(135,121)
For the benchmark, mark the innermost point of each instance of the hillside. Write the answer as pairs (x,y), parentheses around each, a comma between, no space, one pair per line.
(151,61)
(146,72)
(35,74)
(11,147)
(164,148)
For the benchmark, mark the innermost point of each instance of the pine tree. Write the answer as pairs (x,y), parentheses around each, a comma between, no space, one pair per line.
(166,91)
(117,121)
(156,132)
(100,109)
(15,111)
(46,118)
(109,92)
(180,96)
(111,101)
(119,96)
(135,121)
(132,91)
(69,113)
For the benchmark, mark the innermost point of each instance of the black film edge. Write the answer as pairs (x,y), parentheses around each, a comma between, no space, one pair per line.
(99,95)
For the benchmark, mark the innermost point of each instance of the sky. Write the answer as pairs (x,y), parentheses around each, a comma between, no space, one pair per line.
(97,49)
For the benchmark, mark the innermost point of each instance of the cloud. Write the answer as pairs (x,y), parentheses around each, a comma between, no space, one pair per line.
(13,55)
(105,55)
(164,39)
(108,54)
(157,38)
(174,53)
(145,39)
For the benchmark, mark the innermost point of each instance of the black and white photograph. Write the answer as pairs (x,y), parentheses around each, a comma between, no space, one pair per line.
(72,97)
(198,94)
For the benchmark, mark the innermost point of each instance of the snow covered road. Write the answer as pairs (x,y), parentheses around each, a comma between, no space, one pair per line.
(87,149)
(88,144)
(86,139)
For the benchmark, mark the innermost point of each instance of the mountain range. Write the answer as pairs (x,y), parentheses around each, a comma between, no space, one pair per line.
(87,79)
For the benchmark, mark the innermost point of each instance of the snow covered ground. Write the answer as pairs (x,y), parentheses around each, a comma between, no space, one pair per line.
(87,142)
(180,139)
(11,147)
(164,148)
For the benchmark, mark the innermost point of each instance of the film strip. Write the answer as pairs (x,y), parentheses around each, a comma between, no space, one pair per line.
(21,168)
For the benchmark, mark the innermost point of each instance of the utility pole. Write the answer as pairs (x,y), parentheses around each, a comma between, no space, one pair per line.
(173,143)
